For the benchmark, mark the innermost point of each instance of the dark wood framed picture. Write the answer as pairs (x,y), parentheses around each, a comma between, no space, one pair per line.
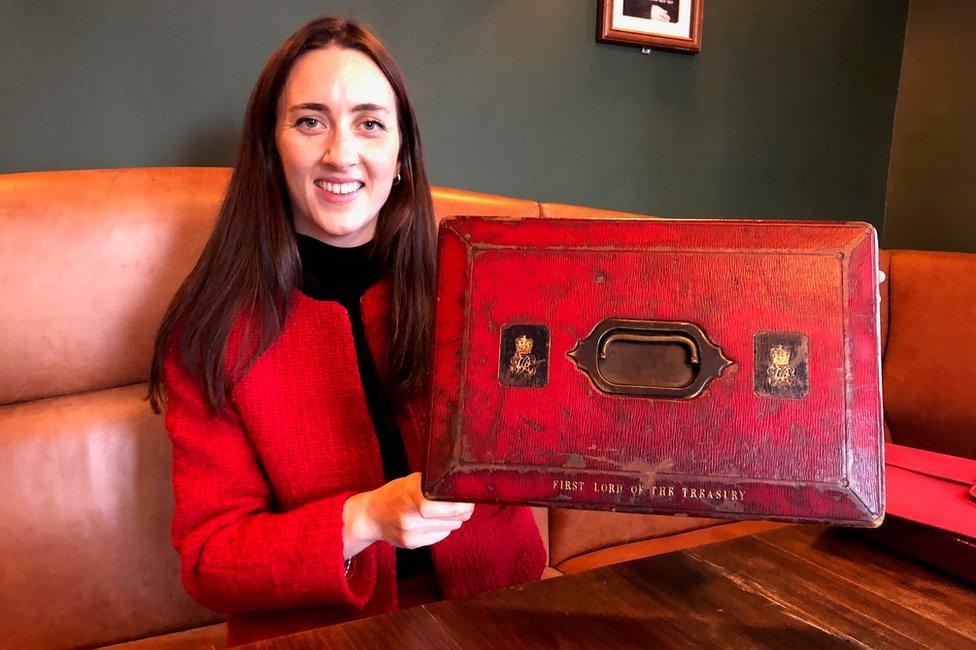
(662,24)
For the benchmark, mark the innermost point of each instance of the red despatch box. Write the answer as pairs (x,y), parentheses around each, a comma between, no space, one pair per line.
(719,368)
(931,509)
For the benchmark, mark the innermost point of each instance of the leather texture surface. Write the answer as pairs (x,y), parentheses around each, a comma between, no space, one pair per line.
(931,514)
(86,507)
(89,262)
(577,532)
(91,259)
(449,202)
(729,449)
(917,479)
(884,264)
(626,551)
(931,352)
(565,211)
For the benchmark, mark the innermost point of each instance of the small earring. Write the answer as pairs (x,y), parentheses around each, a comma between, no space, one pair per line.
(396,181)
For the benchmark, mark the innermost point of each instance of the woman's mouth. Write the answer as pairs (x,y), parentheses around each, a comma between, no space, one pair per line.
(338,191)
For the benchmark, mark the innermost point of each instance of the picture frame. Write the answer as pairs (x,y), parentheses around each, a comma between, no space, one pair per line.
(660,24)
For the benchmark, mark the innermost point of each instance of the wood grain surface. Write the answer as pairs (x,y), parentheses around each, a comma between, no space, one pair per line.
(796,587)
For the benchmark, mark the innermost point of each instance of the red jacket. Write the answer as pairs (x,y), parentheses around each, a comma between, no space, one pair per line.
(259,493)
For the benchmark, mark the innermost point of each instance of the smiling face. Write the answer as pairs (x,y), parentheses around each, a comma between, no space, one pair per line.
(338,138)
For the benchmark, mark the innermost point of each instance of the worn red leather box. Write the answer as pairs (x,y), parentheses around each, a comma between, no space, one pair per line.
(709,367)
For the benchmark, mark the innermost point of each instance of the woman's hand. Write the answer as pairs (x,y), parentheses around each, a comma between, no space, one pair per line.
(398,513)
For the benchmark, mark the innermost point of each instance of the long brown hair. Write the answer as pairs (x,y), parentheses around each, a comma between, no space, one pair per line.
(251,266)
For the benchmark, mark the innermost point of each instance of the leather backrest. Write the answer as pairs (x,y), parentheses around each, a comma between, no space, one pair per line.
(450,202)
(930,356)
(565,211)
(90,259)
(884,262)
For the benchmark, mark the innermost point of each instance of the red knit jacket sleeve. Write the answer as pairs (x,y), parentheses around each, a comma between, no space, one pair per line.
(238,553)
(498,547)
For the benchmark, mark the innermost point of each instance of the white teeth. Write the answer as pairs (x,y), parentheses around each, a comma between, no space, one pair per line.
(339,188)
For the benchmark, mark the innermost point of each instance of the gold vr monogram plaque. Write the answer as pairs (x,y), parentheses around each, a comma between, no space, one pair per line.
(524,356)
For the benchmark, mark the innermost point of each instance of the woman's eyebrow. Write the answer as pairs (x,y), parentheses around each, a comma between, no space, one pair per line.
(322,108)
(369,108)
(310,106)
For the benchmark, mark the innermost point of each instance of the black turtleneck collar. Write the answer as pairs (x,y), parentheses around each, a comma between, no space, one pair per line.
(333,273)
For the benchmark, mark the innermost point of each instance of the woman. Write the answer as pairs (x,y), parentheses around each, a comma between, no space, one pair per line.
(294,364)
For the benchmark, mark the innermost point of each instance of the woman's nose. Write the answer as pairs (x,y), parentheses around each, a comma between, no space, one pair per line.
(341,150)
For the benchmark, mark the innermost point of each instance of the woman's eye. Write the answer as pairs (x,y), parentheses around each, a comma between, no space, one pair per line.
(309,122)
(372,125)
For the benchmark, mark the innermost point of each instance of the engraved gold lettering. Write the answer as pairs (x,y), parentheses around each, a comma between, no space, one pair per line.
(609,488)
(563,484)
(661,491)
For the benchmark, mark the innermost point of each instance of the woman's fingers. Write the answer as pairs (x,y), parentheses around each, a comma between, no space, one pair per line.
(445,510)
(403,517)
(416,540)
(436,509)
(415,531)
(414,524)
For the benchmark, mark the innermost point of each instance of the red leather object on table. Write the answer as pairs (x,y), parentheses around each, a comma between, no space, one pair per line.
(932,489)
(721,368)
(931,510)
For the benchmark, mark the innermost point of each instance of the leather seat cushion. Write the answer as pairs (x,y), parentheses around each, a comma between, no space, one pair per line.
(86,507)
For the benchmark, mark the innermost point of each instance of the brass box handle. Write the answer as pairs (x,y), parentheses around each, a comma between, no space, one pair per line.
(664,359)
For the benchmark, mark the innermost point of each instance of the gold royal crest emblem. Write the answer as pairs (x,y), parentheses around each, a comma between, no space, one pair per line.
(781,364)
(523,362)
(780,371)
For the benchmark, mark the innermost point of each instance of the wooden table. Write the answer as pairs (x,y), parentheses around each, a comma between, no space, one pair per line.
(800,586)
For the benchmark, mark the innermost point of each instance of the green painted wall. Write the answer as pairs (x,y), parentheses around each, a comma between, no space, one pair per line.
(932,183)
(786,112)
